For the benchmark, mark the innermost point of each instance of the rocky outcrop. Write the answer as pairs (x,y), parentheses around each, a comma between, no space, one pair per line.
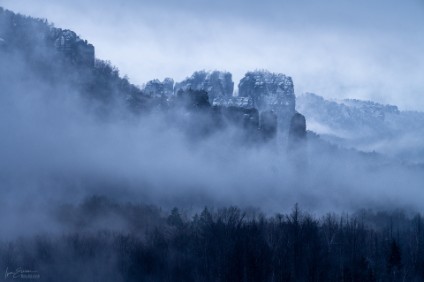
(193,99)
(73,47)
(268,125)
(204,118)
(247,119)
(270,94)
(297,140)
(217,84)
(270,91)
(157,88)
(297,131)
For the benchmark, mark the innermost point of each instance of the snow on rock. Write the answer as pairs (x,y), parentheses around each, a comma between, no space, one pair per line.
(157,88)
(349,114)
(217,84)
(365,125)
(270,91)
(241,102)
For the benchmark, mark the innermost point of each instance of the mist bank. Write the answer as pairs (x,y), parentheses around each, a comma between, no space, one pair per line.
(57,152)
(72,128)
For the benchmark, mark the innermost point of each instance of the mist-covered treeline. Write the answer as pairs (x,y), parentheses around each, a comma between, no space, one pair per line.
(112,241)
(38,57)
(68,131)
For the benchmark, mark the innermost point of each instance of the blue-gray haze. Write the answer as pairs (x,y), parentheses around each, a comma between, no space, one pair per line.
(55,152)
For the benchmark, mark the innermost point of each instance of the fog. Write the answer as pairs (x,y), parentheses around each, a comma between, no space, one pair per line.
(57,150)
(338,49)
(102,182)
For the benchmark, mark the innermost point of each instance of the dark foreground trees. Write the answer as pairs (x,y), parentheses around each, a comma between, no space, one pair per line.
(223,245)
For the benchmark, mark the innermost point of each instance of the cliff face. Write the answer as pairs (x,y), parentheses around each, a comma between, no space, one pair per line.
(157,88)
(217,84)
(240,102)
(297,131)
(73,47)
(261,90)
(270,91)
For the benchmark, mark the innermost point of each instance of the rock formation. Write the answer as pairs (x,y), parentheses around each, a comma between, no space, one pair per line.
(297,131)
(296,146)
(73,47)
(193,99)
(241,102)
(217,84)
(156,88)
(268,125)
(270,91)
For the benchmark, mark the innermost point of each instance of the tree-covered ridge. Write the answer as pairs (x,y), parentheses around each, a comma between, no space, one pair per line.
(227,244)
(60,58)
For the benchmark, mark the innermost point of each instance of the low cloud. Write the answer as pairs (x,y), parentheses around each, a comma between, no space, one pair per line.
(56,151)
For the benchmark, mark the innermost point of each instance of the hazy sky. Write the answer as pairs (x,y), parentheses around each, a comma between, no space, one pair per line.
(356,49)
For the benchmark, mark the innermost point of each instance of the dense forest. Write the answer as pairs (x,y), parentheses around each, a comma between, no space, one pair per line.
(227,244)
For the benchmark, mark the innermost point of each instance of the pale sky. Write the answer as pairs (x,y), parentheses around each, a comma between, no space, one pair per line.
(334,48)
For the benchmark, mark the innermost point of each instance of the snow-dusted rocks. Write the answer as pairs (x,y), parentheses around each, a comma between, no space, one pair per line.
(157,88)
(217,84)
(270,91)
(263,91)
(240,102)
(371,108)
(365,125)
(346,114)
